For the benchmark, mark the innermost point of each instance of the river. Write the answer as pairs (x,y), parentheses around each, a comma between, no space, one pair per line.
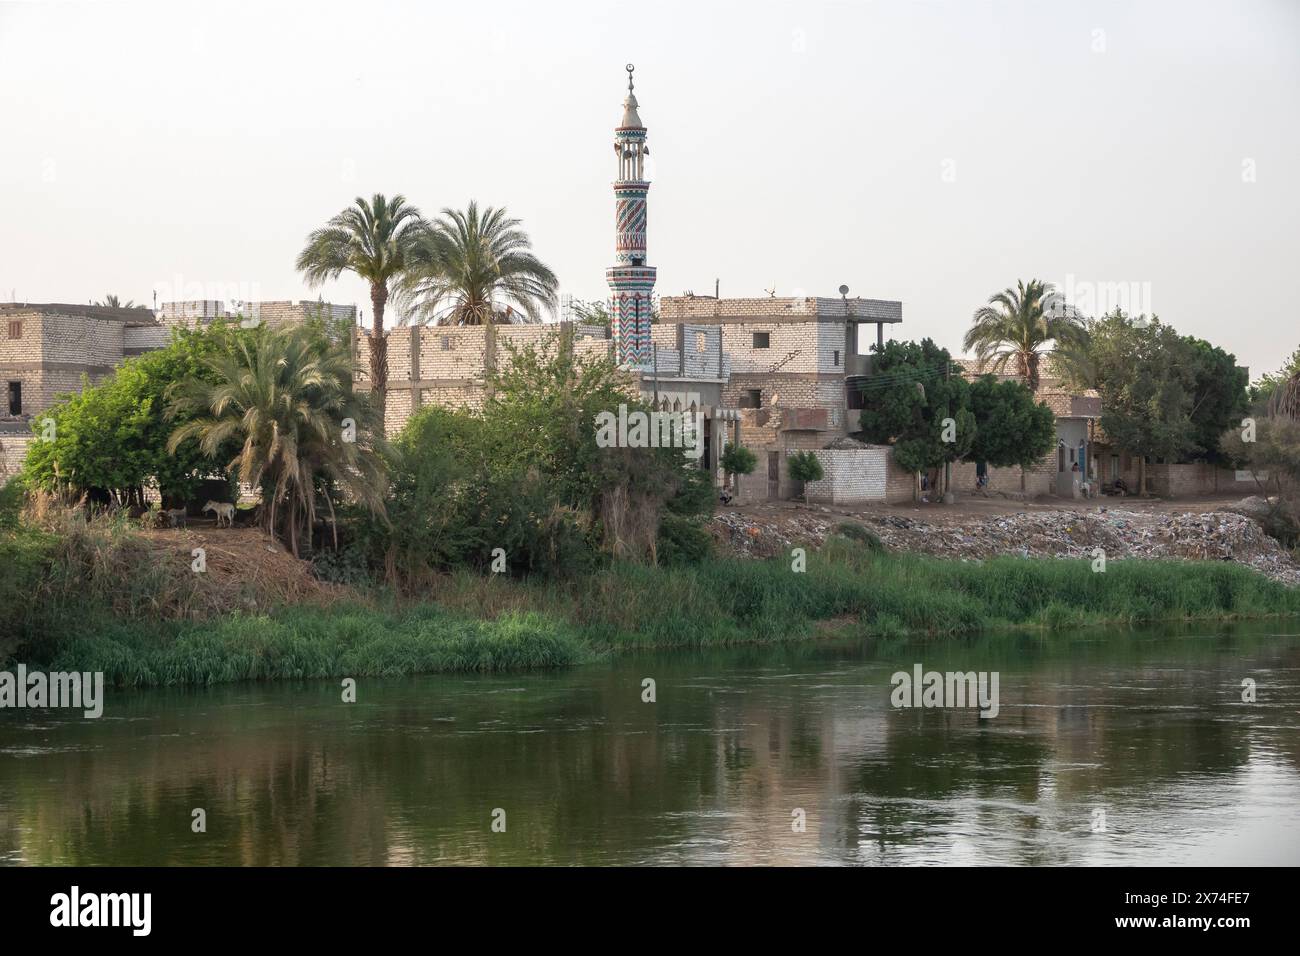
(1108,748)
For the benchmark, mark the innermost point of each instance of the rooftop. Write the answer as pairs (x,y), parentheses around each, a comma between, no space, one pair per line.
(137,316)
(769,308)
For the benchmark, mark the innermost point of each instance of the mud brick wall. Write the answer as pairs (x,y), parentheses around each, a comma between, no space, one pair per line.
(13,449)
(447,365)
(706,308)
(1037,481)
(900,484)
(697,347)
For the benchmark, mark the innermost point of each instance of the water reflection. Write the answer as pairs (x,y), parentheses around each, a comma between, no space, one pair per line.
(1149,729)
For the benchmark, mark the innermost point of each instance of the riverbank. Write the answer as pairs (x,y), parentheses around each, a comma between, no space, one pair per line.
(468,622)
(1122,528)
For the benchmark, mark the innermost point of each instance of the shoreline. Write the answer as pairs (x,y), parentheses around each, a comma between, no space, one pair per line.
(469,623)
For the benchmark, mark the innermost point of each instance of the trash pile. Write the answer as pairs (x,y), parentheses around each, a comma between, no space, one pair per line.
(1208,536)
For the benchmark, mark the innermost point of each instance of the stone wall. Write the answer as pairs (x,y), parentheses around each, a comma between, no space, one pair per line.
(851,475)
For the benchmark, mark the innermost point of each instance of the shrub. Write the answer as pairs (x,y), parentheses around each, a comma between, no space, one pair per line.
(856,532)
(805,467)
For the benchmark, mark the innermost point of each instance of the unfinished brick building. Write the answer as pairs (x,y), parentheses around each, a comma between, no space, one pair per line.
(47,350)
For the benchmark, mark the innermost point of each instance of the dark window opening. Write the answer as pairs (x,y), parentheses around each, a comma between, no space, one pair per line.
(16,328)
(856,398)
(751,398)
(762,340)
(837,358)
(15,398)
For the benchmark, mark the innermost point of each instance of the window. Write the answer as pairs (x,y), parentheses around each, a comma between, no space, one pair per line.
(837,358)
(446,343)
(1114,467)
(15,328)
(15,398)
(751,398)
(762,340)
(856,397)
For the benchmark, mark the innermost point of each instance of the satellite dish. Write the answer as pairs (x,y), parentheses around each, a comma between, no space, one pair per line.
(844,290)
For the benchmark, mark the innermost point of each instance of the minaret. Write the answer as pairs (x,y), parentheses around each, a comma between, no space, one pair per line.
(631,281)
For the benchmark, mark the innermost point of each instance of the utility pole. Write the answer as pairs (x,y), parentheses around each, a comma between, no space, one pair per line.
(948,496)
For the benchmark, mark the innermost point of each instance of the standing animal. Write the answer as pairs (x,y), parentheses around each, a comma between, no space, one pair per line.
(222,510)
(175,517)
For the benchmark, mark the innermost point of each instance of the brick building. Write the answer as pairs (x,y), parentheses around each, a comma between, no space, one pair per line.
(47,350)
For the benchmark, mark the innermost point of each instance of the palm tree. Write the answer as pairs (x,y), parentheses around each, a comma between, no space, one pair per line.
(1019,324)
(477,268)
(372,240)
(113,302)
(285,396)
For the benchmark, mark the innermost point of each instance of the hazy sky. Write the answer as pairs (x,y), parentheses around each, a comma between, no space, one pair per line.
(932,152)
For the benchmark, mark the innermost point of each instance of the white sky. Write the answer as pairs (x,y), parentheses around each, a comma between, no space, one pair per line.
(189,147)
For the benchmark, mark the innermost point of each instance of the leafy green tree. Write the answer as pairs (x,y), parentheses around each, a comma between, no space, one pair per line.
(591,313)
(527,475)
(372,240)
(1146,375)
(1020,325)
(477,268)
(914,388)
(1010,427)
(1219,394)
(114,435)
(805,467)
(738,460)
(285,398)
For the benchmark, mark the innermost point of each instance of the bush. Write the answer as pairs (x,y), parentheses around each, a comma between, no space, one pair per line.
(805,467)
(738,460)
(855,532)
(683,540)
(12,498)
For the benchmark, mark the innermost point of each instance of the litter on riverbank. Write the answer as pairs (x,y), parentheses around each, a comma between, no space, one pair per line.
(1206,536)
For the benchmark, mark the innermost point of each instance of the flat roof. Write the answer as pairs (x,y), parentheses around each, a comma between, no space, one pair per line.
(140,316)
(705,309)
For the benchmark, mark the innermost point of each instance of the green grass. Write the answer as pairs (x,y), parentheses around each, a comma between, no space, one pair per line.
(305,643)
(490,623)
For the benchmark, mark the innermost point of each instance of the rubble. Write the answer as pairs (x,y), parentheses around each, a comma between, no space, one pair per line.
(1206,536)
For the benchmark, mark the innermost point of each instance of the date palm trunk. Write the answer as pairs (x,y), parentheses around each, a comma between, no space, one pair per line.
(378,349)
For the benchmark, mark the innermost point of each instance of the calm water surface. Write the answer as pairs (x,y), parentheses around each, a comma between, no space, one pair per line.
(1149,728)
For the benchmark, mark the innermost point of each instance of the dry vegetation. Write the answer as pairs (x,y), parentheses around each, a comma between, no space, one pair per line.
(140,571)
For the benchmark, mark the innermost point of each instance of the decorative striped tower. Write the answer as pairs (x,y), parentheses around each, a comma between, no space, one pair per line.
(631,281)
